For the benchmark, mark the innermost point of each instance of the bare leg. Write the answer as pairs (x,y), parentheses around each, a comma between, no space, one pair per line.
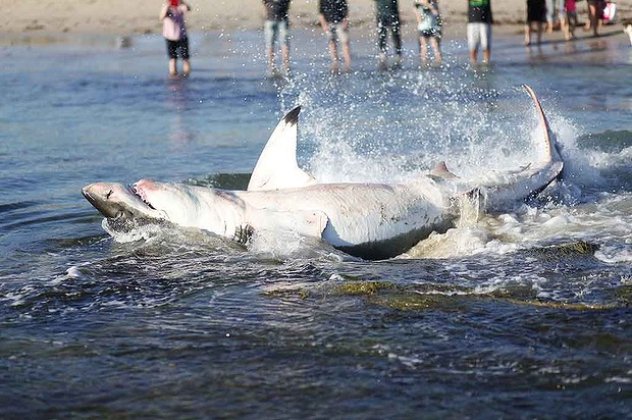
(186,67)
(589,21)
(550,15)
(527,34)
(285,52)
(333,53)
(271,61)
(434,42)
(486,55)
(423,50)
(474,56)
(539,32)
(173,70)
(346,54)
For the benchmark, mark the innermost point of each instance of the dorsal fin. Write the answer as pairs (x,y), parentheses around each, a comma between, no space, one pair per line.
(549,150)
(277,167)
(441,170)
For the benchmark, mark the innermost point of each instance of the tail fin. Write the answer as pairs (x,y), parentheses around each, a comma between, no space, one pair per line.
(550,149)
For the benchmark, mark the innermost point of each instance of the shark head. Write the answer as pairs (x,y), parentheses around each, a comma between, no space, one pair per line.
(175,202)
(145,199)
(116,201)
(216,211)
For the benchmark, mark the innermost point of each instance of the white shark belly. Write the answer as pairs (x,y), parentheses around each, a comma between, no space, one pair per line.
(217,211)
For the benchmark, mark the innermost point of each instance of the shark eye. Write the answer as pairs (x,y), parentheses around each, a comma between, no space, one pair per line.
(107,196)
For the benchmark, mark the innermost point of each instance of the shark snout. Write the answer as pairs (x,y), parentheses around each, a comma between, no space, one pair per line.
(99,195)
(97,192)
(114,200)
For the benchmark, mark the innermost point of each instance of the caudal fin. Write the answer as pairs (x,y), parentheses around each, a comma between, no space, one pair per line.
(549,147)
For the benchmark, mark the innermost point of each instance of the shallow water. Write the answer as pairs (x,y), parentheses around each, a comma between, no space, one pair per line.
(520,314)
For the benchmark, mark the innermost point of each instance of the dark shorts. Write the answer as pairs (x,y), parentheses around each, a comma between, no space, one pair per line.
(431,33)
(178,48)
(536,11)
(388,20)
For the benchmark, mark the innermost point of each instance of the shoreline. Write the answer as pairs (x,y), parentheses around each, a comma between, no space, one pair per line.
(33,22)
(513,33)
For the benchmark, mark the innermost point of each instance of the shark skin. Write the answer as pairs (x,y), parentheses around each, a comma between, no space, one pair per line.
(504,189)
(371,221)
(367,220)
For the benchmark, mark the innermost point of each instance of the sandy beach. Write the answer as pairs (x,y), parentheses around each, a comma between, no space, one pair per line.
(27,21)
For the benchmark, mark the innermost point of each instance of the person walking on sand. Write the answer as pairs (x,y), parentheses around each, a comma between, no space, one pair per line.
(536,15)
(479,29)
(387,13)
(429,29)
(277,26)
(175,32)
(334,19)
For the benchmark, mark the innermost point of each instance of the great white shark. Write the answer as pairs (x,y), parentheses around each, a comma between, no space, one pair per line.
(368,220)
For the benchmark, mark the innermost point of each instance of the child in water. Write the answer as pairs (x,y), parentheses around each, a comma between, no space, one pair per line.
(429,27)
(175,32)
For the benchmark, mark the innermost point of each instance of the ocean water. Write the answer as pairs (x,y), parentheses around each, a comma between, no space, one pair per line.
(524,313)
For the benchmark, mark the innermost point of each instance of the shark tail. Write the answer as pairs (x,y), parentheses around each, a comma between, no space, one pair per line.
(549,148)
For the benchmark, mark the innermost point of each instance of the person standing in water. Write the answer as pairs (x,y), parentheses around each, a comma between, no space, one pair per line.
(277,26)
(334,19)
(428,28)
(175,32)
(479,29)
(536,15)
(387,12)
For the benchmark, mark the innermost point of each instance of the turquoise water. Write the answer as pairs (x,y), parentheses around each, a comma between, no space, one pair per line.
(519,314)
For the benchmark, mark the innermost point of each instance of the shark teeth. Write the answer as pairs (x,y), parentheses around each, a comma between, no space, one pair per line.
(141,195)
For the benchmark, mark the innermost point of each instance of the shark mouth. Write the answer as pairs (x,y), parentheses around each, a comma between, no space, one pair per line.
(140,194)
